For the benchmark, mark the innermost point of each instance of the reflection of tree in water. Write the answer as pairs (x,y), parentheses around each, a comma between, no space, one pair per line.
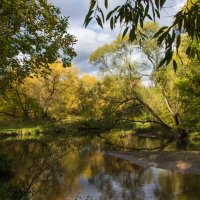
(190,186)
(51,170)
(39,171)
(172,185)
(120,180)
(167,186)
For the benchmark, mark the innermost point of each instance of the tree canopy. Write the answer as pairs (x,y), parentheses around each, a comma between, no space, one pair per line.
(165,99)
(32,35)
(131,15)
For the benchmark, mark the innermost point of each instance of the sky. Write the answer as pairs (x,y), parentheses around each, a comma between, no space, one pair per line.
(90,38)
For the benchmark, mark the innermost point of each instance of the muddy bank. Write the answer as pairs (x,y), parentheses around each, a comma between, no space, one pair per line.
(187,162)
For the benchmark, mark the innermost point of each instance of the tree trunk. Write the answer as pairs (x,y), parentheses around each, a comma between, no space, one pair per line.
(176,119)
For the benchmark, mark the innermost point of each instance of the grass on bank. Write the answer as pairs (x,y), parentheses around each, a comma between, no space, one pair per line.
(76,126)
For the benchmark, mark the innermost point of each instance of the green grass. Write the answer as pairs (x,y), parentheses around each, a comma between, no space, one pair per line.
(26,130)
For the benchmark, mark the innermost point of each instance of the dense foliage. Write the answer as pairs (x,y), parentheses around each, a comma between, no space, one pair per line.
(165,98)
(32,35)
(132,14)
(129,90)
(132,88)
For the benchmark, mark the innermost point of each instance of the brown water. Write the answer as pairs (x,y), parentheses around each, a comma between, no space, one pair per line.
(61,169)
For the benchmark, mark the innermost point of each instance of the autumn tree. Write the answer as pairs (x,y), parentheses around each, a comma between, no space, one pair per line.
(63,93)
(39,98)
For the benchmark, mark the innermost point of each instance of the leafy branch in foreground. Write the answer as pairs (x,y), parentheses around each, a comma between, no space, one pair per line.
(131,16)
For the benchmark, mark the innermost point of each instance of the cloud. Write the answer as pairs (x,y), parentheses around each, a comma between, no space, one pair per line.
(91,38)
(75,9)
(88,41)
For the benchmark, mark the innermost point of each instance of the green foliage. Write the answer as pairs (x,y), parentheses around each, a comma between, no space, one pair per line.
(119,98)
(132,14)
(189,89)
(166,101)
(33,34)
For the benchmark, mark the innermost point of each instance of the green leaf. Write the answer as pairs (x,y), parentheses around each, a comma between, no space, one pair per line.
(161,38)
(157,13)
(92,4)
(168,55)
(88,21)
(146,10)
(88,18)
(98,19)
(162,62)
(102,15)
(106,3)
(111,12)
(132,34)
(173,35)
(162,2)
(160,31)
(178,41)
(167,58)
(124,32)
(153,11)
(111,23)
(157,4)
(149,16)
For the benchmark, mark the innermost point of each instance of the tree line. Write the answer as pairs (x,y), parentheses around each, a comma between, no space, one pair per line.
(35,84)
(130,89)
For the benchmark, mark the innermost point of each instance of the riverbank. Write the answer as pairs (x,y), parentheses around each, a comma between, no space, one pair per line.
(182,161)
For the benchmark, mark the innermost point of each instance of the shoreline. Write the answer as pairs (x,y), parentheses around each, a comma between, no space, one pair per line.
(180,161)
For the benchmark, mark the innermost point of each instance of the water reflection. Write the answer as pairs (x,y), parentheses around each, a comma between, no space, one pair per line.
(61,169)
(133,141)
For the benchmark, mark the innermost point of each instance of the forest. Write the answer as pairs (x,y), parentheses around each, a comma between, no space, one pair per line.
(144,96)
(128,90)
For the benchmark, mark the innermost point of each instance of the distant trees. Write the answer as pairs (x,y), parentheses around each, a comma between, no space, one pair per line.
(61,93)
(32,98)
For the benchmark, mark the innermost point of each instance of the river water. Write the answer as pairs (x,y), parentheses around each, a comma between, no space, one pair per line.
(58,169)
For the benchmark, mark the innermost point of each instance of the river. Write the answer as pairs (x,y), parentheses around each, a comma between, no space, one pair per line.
(63,168)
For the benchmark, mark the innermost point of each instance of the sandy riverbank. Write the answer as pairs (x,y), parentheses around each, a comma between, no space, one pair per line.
(187,162)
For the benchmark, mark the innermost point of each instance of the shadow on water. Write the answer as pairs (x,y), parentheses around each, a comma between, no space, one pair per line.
(65,168)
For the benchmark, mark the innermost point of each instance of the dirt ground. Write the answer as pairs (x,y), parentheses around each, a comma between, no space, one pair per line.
(187,162)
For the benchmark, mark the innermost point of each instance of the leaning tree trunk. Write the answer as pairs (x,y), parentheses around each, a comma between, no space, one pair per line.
(180,132)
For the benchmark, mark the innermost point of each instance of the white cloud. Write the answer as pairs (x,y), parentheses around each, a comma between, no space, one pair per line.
(88,41)
(92,37)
